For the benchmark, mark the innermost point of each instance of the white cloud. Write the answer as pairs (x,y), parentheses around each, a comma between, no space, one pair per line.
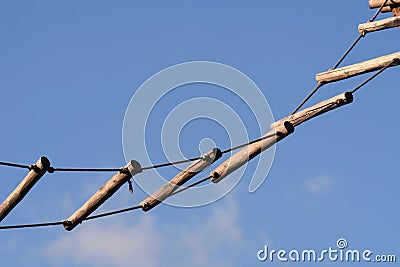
(115,242)
(203,244)
(108,244)
(319,185)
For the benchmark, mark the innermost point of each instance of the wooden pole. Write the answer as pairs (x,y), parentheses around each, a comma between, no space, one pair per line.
(104,193)
(386,9)
(279,130)
(379,25)
(246,154)
(391,7)
(396,11)
(378,3)
(357,69)
(181,178)
(318,109)
(35,173)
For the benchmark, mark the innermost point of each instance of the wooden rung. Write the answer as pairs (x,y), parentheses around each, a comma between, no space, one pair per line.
(386,9)
(279,130)
(357,69)
(392,7)
(181,178)
(104,193)
(378,3)
(249,152)
(379,25)
(36,172)
(316,110)
(396,11)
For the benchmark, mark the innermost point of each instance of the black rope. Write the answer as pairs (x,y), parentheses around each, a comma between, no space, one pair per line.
(170,163)
(360,36)
(46,224)
(191,185)
(18,226)
(86,169)
(106,214)
(101,215)
(378,11)
(143,168)
(307,98)
(16,165)
(246,144)
(375,75)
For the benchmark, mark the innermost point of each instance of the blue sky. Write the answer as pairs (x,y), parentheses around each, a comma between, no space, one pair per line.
(68,70)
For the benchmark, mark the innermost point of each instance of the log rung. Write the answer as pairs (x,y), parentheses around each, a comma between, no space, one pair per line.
(387,9)
(316,110)
(396,10)
(378,3)
(104,193)
(23,188)
(357,69)
(379,25)
(249,152)
(166,190)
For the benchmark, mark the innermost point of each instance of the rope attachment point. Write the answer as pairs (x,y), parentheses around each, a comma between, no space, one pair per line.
(104,193)
(36,171)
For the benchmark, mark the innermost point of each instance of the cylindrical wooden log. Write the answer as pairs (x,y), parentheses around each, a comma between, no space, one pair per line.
(357,69)
(181,178)
(386,9)
(104,193)
(396,10)
(378,3)
(279,130)
(249,152)
(318,109)
(379,25)
(35,173)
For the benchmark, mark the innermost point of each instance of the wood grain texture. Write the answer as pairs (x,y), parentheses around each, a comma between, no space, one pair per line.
(386,9)
(249,152)
(36,172)
(279,130)
(378,3)
(396,11)
(357,69)
(379,25)
(181,178)
(104,193)
(316,110)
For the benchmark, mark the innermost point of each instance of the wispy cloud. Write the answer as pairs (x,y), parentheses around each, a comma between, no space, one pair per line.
(318,185)
(147,243)
(203,245)
(112,244)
